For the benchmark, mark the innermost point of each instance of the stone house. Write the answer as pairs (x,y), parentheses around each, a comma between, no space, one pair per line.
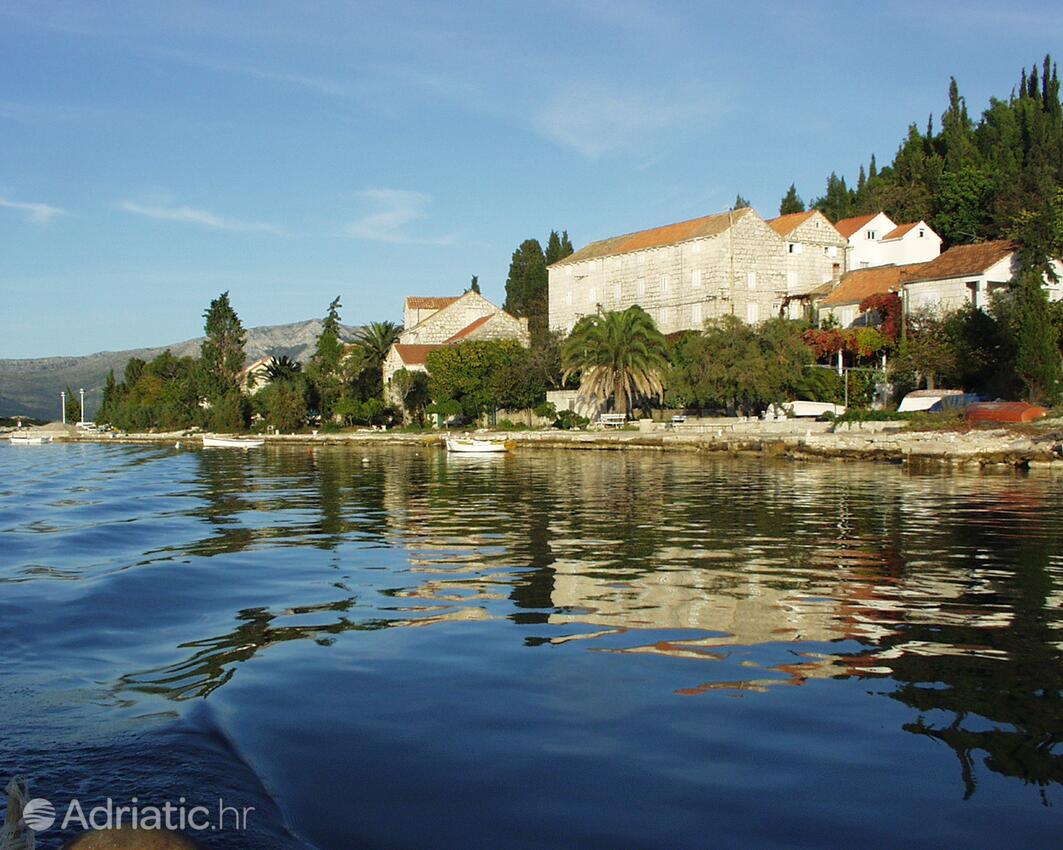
(815,255)
(254,376)
(431,323)
(968,274)
(842,303)
(684,274)
(875,240)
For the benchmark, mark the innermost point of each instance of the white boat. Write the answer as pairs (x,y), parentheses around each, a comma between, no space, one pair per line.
(30,439)
(233,443)
(472,446)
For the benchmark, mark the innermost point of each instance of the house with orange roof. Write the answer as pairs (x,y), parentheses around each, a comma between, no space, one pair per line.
(815,255)
(876,240)
(843,302)
(683,275)
(969,274)
(435,322)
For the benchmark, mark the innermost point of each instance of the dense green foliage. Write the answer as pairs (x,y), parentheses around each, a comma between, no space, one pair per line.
(527,281)
(970,180)
(620,357)
(791,202)
(222,352)
(484,375)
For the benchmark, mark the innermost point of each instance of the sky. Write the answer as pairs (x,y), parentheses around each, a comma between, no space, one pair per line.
(155,154)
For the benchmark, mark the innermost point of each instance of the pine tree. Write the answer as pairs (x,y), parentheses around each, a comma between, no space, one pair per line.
(474,284)
(791,202)
(527,285)
(553,248)
(861,180)
(566,243)
(73,406)
(872,169)
(740,202)
(222,351)
(324,367)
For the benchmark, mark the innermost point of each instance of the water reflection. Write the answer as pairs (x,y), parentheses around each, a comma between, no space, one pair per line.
(945,590)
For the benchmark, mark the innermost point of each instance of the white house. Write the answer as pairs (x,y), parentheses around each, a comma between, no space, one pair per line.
(875,240)
(968,274)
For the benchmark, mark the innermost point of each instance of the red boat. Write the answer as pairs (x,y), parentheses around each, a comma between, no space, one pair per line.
(1004,411)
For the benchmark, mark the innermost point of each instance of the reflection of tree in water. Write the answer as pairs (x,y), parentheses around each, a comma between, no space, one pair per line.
(1010,677)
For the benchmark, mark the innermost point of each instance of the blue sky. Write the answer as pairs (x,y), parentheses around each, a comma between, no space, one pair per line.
(156,154)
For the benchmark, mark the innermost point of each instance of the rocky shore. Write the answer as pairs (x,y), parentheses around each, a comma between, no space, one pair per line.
(1028,447)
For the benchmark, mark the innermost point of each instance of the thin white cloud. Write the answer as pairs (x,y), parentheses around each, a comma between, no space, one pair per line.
(391,213)
(596,120)
(319,84)
(36,212)
(190,215)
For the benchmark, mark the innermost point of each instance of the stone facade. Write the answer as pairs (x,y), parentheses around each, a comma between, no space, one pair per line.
(815,254)
(447,321)
(683,275)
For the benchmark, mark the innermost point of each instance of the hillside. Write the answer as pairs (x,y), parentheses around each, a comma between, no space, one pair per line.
(32,386)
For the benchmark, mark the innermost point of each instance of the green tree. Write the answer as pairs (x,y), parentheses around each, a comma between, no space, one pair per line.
(282,403)
(411,391)
(111,397)
(376,339)
(283,368)
(740,202)
(527,285)
(323,370)
(222,351)
(620,357)
(73,406)
(474,284)
(791,202)
(484,375)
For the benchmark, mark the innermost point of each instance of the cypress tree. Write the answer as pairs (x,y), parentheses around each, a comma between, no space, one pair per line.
(222,351)
(872,169)
(566,244)
(526,284)
(791,202)
(740,202)
(553,248)
(474,284)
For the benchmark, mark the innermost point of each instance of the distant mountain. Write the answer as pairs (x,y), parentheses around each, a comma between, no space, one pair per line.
(32,387)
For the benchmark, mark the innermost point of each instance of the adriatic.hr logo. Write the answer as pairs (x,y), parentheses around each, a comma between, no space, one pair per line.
(40,815)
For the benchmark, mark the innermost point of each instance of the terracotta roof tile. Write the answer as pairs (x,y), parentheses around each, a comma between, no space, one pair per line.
(848,226)
(964,260)
(415,302)
(786,224)
(468,329)
(658,237)
(414,354)
(900,230)
(857,285)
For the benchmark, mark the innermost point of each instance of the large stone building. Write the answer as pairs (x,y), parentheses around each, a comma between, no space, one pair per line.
(431,323)
(732,263)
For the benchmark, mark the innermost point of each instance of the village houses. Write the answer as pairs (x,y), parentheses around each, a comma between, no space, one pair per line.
(731,263)
(430,323)
(875,240)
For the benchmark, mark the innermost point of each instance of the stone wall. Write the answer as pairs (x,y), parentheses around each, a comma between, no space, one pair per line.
(815,255)
(741,271)
(441,325)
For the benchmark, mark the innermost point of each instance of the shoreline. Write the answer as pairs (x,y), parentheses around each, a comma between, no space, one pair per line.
(790,440)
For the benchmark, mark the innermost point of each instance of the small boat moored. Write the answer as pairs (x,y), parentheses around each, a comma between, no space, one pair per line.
(30,439)
(233,443)
(473,446)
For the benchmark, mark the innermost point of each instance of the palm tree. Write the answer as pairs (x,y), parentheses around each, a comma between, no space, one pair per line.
(377,338)
(282,368)
(620,356)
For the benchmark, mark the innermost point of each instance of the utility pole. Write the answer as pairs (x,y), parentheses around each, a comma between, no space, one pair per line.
(82,391)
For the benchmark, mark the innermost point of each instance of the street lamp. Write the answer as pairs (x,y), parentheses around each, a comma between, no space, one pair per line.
(82,391)
(62,405)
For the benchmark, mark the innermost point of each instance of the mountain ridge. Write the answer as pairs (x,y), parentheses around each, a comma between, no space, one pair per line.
(31,386)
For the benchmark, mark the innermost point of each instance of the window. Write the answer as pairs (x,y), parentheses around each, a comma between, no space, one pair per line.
(791,281)
(695,279)
(832,251)
(864,264)
(751,280)
(922,233)
(795,247)
(752,312)
(592,295)
(664,316)
(642,258)
(871,234)
(664,283)
(695,248)
(617,292)
(695,315)
(640,288)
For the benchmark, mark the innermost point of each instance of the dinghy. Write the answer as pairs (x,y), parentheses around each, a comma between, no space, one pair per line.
(233,443)
(30,439)
(469,445)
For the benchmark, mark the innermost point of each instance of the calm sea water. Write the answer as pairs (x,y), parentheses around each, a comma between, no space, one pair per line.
(402,649)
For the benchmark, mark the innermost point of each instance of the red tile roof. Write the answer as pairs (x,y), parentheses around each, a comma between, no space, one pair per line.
(964,260)
(658,237)
(848,226)
(468,329)
(857,285)
(415,302)
(414,354)
(786,224)
(900,230)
